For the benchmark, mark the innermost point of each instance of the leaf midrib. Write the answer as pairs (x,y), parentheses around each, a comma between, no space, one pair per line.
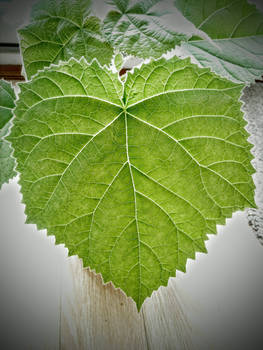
(135,208)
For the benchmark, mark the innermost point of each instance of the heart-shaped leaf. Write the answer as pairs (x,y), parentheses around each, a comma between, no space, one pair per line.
(132,176)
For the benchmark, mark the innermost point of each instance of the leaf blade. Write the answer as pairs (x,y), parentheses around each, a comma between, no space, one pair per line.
(138,30)
(236,32)
(7,162)
(132,185)
(61,30)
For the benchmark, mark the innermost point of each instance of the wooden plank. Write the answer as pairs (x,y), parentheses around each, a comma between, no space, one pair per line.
(98,316)
(166,323)
(11,72)
(95,315)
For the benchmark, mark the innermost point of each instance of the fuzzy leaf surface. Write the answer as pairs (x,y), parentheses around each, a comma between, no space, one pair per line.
(236,30)
(132,176)
(7,163)
(139,30)
(60,30)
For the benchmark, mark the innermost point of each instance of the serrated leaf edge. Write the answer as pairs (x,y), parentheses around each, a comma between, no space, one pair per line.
(132,71)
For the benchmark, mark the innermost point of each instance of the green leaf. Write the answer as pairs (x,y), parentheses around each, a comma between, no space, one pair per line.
(118,61)
(236,30)
(132,176)
(7,163)
(139,30)
(60,30)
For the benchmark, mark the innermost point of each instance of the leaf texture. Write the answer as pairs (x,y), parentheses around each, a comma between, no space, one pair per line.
(60,30)
(139,30)
(236,30)
(132,176)
(7,163)
(118,61)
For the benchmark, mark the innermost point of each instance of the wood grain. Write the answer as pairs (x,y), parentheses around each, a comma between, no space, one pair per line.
(11,72)
(98,316)
(165,321)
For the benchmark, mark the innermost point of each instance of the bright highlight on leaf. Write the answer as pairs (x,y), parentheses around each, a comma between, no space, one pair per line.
(139,30)
(7,163)
(60,30)
(236,30)
(132,176)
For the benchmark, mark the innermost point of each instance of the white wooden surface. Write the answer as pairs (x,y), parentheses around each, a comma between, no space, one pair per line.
(97,316)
